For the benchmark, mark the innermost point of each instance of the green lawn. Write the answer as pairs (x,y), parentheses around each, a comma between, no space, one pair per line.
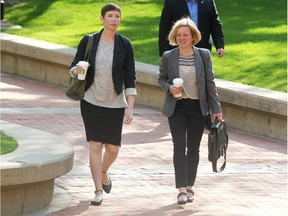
(255,33)
(8,144)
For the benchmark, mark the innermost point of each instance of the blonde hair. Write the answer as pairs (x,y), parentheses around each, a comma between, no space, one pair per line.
(196,35)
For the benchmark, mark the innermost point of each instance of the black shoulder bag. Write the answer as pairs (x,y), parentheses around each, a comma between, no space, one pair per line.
(76,88)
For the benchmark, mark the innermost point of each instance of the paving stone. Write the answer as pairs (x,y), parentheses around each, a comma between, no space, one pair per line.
(253,183)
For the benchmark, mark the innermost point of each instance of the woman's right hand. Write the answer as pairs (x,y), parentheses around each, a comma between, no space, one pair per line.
(175,90)
(77,69)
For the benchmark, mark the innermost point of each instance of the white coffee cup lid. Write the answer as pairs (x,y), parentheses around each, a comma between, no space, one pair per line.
(83,63)
(178,81)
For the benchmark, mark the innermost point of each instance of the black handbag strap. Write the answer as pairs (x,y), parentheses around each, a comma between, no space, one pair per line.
(88,47)
(214,163)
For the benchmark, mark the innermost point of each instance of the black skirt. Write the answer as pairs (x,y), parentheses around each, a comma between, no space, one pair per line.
(102,124)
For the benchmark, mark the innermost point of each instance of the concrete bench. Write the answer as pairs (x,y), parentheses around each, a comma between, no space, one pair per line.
(247,108)
(28,173)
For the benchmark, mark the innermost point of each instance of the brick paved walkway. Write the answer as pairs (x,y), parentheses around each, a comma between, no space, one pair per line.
(253,183)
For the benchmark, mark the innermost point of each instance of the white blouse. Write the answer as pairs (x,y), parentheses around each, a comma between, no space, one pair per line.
(101,92)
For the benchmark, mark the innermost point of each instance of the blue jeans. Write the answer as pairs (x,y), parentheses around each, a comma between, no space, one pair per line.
(187,126)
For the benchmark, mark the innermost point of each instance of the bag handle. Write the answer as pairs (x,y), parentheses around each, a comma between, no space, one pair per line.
(88,47)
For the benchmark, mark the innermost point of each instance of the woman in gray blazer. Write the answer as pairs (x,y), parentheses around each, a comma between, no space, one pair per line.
(187,114)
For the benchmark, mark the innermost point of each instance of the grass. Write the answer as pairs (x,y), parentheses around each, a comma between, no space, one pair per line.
(8,144)
(255,33)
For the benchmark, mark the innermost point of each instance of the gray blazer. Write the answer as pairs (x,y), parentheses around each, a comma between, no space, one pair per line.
(169,69)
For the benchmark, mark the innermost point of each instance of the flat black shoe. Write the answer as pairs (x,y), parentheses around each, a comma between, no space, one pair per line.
(107,188)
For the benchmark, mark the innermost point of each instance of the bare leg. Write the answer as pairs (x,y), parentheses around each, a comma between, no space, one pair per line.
(95,158)
(110,155)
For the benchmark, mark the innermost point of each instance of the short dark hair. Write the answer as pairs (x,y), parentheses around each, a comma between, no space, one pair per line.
(110,7)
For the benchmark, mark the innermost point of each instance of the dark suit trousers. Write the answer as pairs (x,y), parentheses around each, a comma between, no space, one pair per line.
(187,127)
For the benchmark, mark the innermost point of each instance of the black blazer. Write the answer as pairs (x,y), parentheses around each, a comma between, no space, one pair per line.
(208,23)
(123,68)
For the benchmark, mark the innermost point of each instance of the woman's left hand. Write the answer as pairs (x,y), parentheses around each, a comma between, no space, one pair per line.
(217,115)
(128,117)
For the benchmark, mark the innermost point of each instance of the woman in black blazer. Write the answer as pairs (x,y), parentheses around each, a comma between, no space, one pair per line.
(186,114)
(208,23)
(110,88)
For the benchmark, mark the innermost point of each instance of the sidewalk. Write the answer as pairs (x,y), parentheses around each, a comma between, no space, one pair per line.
(253,183)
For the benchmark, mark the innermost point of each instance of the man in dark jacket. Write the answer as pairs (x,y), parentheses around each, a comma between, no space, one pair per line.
(205,16)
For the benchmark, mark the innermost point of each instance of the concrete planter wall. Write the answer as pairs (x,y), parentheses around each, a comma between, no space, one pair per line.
(247,108)
(29,172)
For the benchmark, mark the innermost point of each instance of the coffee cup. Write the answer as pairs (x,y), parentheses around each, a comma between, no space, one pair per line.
(178,83)
(83,72)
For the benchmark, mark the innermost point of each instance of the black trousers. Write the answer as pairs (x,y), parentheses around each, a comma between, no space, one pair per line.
(187,127)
